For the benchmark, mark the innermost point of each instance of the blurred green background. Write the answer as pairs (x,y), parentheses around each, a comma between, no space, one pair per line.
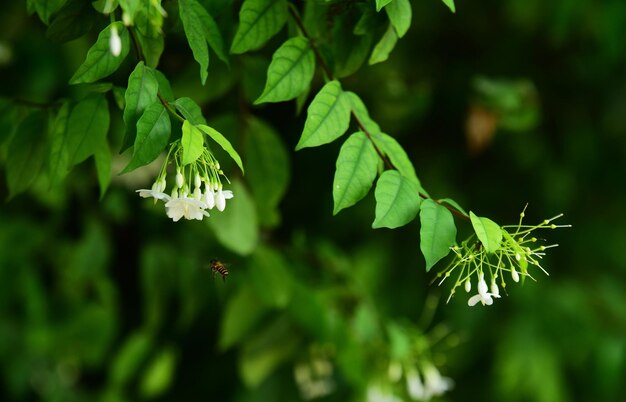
(501,104)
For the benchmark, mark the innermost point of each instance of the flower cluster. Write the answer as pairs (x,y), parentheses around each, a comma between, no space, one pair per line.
(183,202)
(422,383)
(433,384)
(517,252)
(314,376)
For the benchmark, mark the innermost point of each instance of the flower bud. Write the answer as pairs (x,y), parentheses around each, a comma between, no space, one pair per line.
(180,180)
(197,181)
(197,194)
(115,42)
(468,285)
(514,274)
(494,288)
(482,285)
(127,19)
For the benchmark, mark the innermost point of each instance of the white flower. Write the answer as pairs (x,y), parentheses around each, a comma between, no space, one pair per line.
(154,193)
(221,197)
(394,371)
(186,207)
(115,42)
(434,383)
(377,394)
(414,386)
(495,292)
(483,296)
(197,194)
(208,197)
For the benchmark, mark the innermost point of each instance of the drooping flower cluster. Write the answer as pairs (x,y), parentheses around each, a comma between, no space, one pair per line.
(427,385)
(422,383)
(183,201)
(517,252)
(315,375)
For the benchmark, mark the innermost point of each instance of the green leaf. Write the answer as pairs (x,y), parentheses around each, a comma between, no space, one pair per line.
(450,4)
(242,313)
(310,312)
(301,100)
(236,228)
(222,142)
(357,166)
(129,358)
(59,158)
(8,119)
(26,153)
(349,51)
(148,18)
(153,133)
(399,342)
(118,97)
(142,90)
(192,142)
(290,72)
(274,344)
(74,20)
(159,374)
(437,232)
(165,90)
(271,277)
(328,117)
(201,29)
(148,22)
(398,157)
(87,127)
(105,6)
(100,62)
(268,168)
(384,47)
(453,204)
(44,8)
(488,232)
(397,200)
(400,14)
(190,110)
(130,7)
(151,47)
(361,114)
(259,20)
(365,323)
(254,73)
(382,3)
(103,159)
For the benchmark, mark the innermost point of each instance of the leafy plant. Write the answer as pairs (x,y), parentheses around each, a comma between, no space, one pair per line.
(125,98)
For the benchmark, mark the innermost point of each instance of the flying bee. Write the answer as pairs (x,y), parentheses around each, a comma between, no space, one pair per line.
(220,268)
